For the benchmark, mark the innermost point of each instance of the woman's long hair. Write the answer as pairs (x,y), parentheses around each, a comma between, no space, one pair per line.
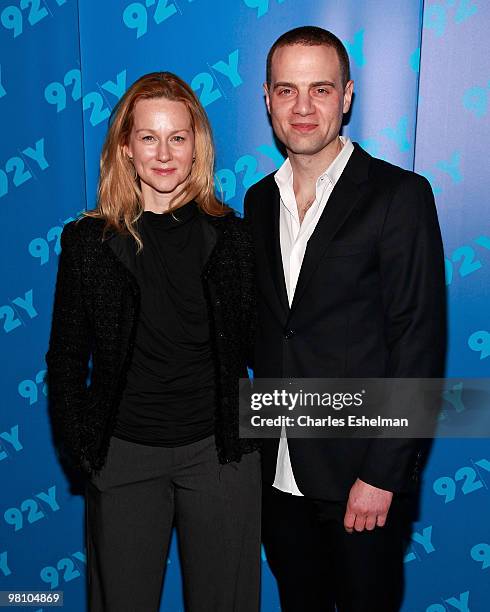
(119,199)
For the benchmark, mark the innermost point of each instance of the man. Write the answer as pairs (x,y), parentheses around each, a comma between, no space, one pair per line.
(350,284)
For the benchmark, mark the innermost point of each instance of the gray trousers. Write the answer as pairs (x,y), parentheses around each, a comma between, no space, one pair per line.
(131,507)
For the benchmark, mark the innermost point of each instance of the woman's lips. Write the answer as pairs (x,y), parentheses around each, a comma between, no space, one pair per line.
(164,171)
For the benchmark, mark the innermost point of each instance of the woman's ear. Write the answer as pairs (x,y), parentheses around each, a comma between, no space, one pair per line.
(127,151)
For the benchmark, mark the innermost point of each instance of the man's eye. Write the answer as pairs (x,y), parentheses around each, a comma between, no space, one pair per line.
(322,90)
(285,92)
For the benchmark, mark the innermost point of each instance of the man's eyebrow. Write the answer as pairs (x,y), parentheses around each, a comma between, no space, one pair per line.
(322,84)
(283,84)
(315,84)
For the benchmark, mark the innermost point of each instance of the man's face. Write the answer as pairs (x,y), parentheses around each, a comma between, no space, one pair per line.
(306,98)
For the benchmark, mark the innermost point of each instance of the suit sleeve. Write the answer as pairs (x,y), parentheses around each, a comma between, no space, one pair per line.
(411,263)
(69,350)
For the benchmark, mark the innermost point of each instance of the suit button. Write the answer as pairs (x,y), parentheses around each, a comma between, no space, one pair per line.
(289,334)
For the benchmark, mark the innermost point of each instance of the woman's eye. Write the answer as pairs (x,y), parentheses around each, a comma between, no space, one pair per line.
(148,138)
(178,138)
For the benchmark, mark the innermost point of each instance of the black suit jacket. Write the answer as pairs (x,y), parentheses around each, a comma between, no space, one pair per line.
(369,303)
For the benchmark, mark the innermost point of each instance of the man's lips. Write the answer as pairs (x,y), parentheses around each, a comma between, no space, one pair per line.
(164,171)
(304,128)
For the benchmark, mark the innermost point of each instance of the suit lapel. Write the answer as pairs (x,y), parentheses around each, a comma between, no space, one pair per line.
(273,248)
(343,199)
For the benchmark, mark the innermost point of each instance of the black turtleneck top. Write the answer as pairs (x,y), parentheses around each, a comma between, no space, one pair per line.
(169,396)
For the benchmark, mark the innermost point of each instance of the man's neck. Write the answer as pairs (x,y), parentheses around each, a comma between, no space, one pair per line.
(306,170)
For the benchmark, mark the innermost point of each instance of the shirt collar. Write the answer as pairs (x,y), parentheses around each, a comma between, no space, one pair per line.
(284,176)
(334,171)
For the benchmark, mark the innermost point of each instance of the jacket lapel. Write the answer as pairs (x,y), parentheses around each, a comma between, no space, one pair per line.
(346,194)
(273,248)
(210,239)
(121,249)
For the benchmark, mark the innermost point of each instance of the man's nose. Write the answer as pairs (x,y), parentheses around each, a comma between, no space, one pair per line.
(303,104)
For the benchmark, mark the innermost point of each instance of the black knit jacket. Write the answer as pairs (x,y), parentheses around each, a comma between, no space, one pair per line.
(94,317)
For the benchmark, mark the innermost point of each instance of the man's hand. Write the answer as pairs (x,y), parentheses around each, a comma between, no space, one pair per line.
(367,507)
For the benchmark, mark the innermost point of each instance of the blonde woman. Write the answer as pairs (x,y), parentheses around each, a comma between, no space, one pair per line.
(156,287)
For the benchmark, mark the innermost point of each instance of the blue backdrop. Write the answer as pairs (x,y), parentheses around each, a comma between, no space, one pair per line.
(422,80)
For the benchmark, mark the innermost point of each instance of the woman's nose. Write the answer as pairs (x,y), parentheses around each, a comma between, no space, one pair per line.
(163,152)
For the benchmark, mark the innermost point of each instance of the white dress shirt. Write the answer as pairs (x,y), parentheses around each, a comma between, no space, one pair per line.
(294,239)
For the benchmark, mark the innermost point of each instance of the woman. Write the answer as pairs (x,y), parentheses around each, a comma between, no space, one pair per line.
(155,286)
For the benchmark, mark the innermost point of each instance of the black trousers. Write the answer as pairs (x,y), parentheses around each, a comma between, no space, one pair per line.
(320,567)
(131,507)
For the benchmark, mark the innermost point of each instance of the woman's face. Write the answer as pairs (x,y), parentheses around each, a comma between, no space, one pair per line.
(161,144)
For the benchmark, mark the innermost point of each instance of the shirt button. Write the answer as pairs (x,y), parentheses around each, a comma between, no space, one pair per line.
(289,334)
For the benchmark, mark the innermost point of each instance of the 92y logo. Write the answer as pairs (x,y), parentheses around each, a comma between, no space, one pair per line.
(12,320)
(30,507)
(58,94)
(12,17)
(204,82)
(17,167)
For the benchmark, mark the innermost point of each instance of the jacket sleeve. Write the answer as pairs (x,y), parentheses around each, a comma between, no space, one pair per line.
(248,312)
(69,350)
(411,263)
(250,282)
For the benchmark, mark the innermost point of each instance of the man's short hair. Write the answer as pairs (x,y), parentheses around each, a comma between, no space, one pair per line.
(311,36)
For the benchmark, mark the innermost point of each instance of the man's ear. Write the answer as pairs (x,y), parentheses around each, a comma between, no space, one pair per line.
(267,97)
(348,91)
